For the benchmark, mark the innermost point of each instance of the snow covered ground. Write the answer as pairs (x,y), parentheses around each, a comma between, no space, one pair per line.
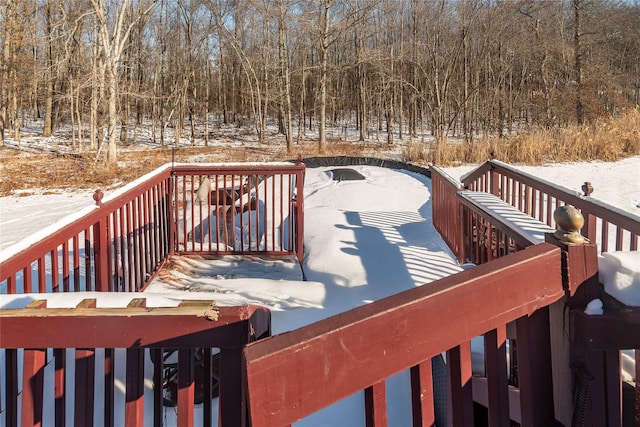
(364,240)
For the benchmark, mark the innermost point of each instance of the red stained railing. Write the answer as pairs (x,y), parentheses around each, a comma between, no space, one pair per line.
(504,210)
(119,244)
(71,367)
(612,229)
(112,247)
(241,209)
(295,374)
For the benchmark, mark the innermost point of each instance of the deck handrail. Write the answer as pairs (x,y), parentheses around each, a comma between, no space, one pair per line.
(610,227)
(85,328)
(121,242)
(359,349)
(83,251)
(240,208)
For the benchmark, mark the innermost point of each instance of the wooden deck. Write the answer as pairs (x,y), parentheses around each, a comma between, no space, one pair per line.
(516,294)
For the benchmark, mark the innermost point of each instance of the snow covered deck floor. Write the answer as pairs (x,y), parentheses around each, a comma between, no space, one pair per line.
(275,282)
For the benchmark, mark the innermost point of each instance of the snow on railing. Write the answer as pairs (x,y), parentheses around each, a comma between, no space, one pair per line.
(610,228)
(114,364)
(120,244)
(295,374)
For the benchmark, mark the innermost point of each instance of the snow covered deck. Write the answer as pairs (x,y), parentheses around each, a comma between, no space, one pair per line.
(364,241)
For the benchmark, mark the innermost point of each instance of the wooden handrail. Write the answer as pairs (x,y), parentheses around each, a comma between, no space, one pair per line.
(121,243)
(136,329)
(360,348)
(517,188)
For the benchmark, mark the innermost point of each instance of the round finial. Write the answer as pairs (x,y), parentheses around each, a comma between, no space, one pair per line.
(493,155)
(97,196)
(299,158)
(587,188)
(570,221)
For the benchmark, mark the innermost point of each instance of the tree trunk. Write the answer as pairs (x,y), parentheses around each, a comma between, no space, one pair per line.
(324,47)
(577,34)
(112,86)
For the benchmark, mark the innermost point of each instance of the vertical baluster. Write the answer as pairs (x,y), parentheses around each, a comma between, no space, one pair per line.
(497,381)
(459,370)
(232,391)
(109,378)
(55,274)
(11,386)
(28,280)
(60,386)
(422,402)
(619,238)
(32,386)
(42,275)
(84,387)
(185,387)
(604,243)
(375,403)
(158,374)
(88,270)
(84,379)
(534,368)
(134,398)
(66,272)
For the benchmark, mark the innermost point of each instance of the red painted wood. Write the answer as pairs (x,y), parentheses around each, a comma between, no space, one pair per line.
(233,393)
(637,397)
(158,409)
(84,388)
(422,402)
(497,380)
(185,387)
(348,352)
(534,368)
(42,274)
(55,274)
(32,387)
(60,386)
(613,388)
(131,327)
(100,255)
(109,389)
(76,263)
(375,405)
(459,371)
(11,386)
(134,397)
(207,411)
(556,197)
(27,278)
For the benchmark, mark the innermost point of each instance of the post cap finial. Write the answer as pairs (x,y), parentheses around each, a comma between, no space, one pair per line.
(97,196)
(570,221)
(587,188)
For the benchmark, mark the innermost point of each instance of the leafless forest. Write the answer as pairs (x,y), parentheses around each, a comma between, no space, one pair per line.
(421,69)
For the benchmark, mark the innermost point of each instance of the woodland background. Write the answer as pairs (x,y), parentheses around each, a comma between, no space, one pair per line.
(426,70)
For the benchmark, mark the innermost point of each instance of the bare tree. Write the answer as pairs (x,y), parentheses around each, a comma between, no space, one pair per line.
(113,38)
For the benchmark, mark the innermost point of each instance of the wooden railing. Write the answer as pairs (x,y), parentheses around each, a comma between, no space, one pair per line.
(501,210)
(358,350)
(119,244)
(241,209)
(65,365)
(610,228)
(446,210)
(114,246)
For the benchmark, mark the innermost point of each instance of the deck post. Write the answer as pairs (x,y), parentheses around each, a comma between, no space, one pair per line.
(534,369)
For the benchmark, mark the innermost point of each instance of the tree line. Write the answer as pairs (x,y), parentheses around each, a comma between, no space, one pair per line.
(423,69)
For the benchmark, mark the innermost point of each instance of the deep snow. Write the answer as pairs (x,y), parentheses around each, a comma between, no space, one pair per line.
(364,240)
